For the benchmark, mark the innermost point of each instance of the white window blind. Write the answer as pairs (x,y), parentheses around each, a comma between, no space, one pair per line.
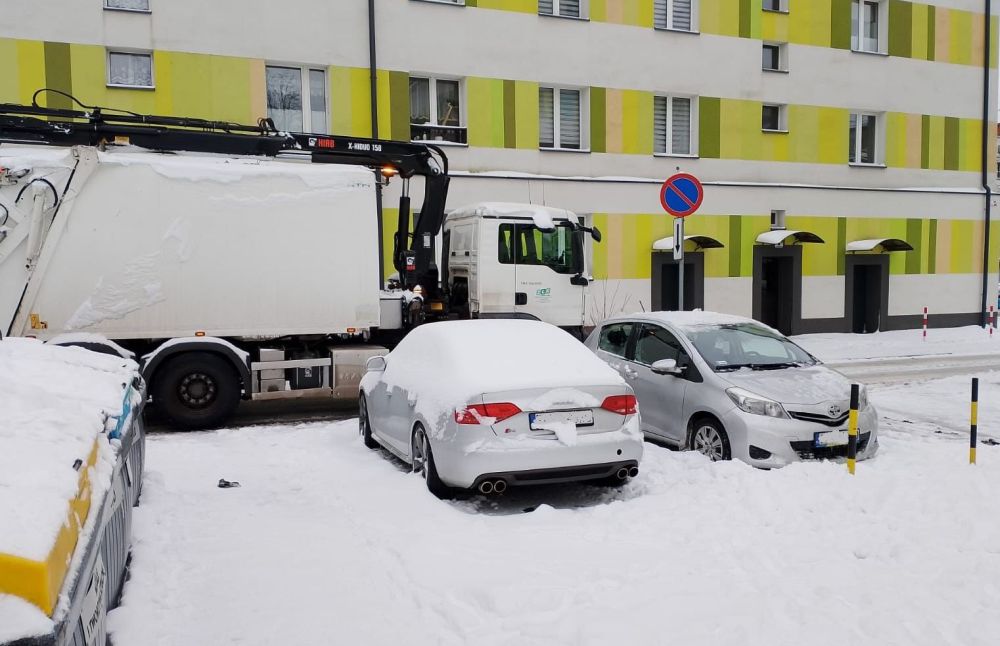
(681,18)
(560,114)
(546,7)
(134,70)
(672,125)
(546,124)
(568,8)
(569,119)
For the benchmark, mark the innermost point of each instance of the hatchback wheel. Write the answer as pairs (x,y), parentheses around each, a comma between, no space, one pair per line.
(710,439)
(364,424)
(422,459)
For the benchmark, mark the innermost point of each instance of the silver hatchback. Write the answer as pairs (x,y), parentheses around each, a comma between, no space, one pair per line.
(731,387)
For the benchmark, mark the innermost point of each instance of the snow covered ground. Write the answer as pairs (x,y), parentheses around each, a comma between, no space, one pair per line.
(969,340)
(327,542)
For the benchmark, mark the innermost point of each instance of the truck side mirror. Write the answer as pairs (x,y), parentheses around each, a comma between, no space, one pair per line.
(595,233)
(375,364)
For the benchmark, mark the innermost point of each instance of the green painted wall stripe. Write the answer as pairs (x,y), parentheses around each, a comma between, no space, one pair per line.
(471,3)
(735,245)
(840,24)
(709,139)
(745,21)
(598,120)
(925,141)
(399,99)
(900,28)
(841,244)
(509,114)
(931,31)
(951,139)
(914,235)
(932,248)
(58,74)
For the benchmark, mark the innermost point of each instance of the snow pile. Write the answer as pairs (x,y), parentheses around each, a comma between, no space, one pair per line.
(967,340)
(20,619)
(311,549)
(445,365)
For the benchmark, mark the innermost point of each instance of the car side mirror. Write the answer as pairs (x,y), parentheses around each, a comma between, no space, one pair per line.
(667,367)
(375,364)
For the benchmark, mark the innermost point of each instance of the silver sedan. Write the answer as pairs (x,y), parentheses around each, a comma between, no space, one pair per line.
(731,387)
(488,404)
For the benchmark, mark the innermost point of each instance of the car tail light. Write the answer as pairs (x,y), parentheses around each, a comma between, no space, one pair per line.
(621,404)
(475,413)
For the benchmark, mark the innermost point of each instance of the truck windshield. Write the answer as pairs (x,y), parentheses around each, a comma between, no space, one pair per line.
(525,244)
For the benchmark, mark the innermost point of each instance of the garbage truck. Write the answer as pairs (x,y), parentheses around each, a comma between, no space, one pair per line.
(237,262)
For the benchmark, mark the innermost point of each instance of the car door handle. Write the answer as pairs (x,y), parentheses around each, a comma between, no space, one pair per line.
(629,373)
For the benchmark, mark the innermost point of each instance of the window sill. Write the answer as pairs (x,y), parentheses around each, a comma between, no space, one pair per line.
(781,11)
(768,69)
(768,131)
(863,165)
(675,156)
(454,4)
(555,15)
(124,10)
(865,51)
(130,87)
(452,144)
(692,32)
(564,150)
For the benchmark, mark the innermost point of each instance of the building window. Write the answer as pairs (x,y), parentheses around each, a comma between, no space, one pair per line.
(564,8)
(289,107)
(772,118)
(866,25)
(674,14)
(130,69)
(775,57)
(864,139)
(128,5)
(436,110)
(673,123)
(775,5)
(560,118)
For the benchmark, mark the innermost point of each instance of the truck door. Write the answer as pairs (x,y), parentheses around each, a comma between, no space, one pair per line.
(545,264)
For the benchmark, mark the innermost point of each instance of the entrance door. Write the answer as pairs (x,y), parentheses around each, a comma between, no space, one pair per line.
(776,293)
(867,299)
(668,283)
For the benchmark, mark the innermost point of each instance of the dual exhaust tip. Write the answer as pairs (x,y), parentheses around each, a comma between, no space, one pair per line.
(493,486)
(627,472)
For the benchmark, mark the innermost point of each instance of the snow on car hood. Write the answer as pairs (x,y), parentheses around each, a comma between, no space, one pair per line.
(808,385)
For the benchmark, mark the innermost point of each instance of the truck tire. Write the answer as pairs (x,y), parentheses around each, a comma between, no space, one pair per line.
(196,390)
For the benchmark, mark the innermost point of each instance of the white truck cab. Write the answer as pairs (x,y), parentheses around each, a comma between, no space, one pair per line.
(506,260)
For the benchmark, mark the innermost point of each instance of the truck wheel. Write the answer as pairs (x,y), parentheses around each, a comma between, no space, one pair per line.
(196,390)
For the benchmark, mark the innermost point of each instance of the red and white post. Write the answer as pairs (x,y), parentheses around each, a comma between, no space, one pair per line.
(925,324)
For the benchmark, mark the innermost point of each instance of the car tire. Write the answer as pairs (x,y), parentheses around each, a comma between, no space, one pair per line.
(422,461)
(196,390)
(364,424)
(709,438)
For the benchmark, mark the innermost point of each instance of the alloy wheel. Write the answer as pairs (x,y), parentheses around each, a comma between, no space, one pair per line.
(421,450)
(708,442)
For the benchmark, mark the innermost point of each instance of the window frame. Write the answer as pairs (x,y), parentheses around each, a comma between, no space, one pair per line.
(857,35)
(629,342)
(556,125)
(149,8)
(556,4)
(782,7)
(877,157)
(453,3)
(432,81)
(130,52)
(782,56)
(306,87)
(782,118)
(695,19)
(669,143)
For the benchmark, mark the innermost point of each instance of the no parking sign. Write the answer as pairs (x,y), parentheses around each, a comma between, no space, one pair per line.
(680,196)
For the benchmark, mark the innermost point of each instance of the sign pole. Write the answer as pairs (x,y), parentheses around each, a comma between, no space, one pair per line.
(680,196)
(679,257)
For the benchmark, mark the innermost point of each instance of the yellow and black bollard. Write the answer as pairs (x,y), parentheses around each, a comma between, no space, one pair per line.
(852,429)
(975,420)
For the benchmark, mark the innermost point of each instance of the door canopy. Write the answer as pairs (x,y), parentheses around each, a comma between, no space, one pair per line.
(691,243)
(783,236)
(878,245)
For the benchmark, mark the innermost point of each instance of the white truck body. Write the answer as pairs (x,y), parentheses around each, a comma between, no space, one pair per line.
(518,259)
(156,246)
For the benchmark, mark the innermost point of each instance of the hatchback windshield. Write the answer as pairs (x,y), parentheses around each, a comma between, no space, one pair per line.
(745,345)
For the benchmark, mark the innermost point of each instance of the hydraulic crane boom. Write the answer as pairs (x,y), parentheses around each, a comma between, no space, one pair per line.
(95,126)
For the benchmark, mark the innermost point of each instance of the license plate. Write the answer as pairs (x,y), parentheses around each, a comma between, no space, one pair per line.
(832,438)
(538,421)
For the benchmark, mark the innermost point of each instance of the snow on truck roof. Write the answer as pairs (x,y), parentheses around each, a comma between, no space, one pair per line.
(542,216)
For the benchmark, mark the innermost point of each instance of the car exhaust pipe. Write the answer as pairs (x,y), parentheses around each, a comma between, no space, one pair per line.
(633,472)
(486,486)
(622,473)
(500,486)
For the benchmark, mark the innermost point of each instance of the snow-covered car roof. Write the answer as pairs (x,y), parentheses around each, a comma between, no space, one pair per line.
(688,319)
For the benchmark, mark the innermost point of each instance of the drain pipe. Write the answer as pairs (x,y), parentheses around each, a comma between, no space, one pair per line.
(373,88)
(987,57)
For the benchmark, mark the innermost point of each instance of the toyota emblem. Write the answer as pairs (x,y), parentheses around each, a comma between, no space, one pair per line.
(834,410)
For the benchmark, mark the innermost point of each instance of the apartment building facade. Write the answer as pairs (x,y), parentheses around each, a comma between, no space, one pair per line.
(840,141)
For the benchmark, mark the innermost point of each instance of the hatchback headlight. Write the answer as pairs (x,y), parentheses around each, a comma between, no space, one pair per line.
(755,404)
